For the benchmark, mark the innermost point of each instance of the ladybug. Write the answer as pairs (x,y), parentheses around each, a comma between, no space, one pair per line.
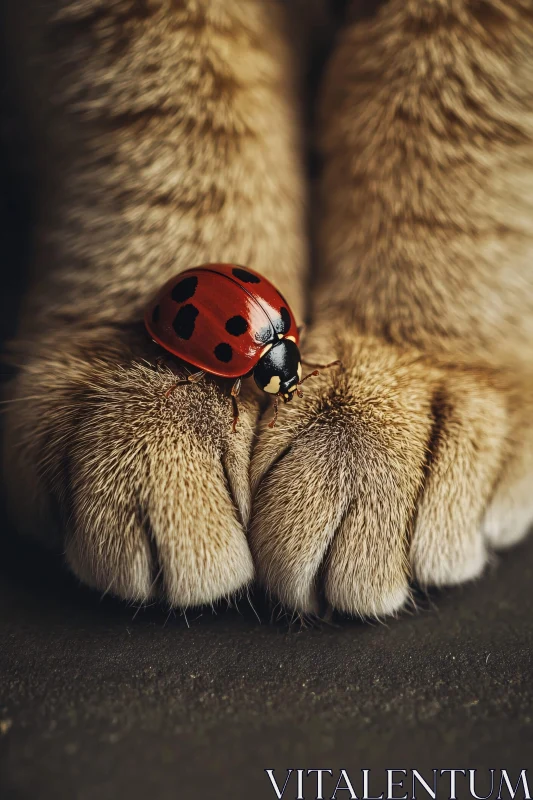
(228,320)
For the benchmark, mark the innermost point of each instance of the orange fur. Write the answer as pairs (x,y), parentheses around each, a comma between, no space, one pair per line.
(170,136)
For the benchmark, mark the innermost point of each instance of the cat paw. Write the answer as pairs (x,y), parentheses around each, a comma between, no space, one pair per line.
(380,475)
(149,493)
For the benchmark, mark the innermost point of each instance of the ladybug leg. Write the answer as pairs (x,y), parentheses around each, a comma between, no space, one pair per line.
(276,406)
(235,389)
(174,386)
(194,378)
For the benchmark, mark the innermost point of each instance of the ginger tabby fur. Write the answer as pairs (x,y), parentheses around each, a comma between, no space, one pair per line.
(171,135)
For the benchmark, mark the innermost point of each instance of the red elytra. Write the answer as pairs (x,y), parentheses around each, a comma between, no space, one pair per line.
(219,317)
(230,321)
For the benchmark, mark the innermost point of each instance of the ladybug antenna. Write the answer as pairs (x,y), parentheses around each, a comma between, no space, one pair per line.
(316,371)
(312,374)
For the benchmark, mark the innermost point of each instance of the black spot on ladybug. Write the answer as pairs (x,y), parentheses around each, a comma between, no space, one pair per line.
(283,324)
(245,276)
(156,313)
(185,289)
(184,321)
(224,352)
(236,325)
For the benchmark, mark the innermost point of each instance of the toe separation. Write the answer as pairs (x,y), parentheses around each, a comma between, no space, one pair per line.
(464,453)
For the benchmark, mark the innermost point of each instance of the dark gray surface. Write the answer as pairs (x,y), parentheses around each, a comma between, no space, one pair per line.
(98,701)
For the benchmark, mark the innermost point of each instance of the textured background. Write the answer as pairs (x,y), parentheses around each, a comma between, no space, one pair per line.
(100,702)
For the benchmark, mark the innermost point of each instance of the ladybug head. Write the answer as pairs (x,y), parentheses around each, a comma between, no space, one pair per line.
(279,370)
